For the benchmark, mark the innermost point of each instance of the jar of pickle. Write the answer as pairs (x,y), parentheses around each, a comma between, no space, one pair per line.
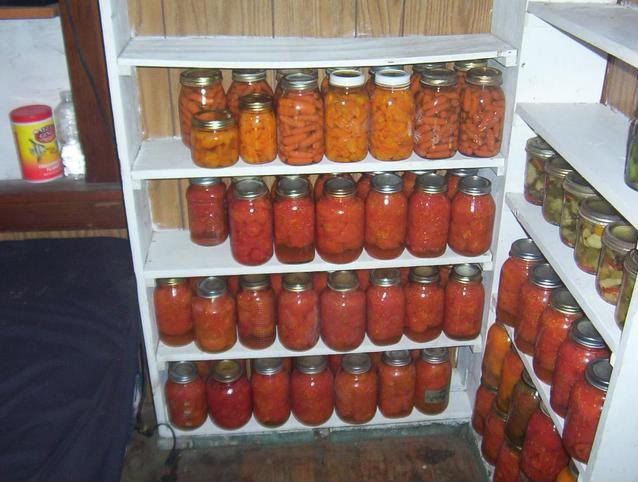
(270,386)
(464,298)
(568,474)
(497,346)
(214,139)
(185,396)
(436,124)
(630,269)
(321,180)
(409,180)
(230,403)
(583,345)
(294,221)
(246,82)
(511,374)
(538,153)
(555,322)
(523,256)
(172,302)
(206,199)
(214,316)
(298,312)
(462,67)
(300,121)
(618,239)
(372,71)
(392,116)
(428,217)
(257,129)
(472,217)
(417,72)
(482,113)
(397,379)
(347,117)
(631,162)
(493,434)
(556,170)
(279,78)
(386,218)
(454,177)
(342,312)
(576,190)
(523,404)
(356,387)
(535,296)
(424,304)
(433,377)
(340,225)
(256,311)
(385,307)
(585,406)
(201,89)
(485,397)
(312,390)
(508,462)
(593,217)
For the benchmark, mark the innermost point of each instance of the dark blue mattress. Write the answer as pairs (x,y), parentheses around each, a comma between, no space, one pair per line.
(69,341)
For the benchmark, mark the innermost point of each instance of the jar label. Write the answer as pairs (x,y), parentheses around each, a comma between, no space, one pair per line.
(38,150)
(436,396)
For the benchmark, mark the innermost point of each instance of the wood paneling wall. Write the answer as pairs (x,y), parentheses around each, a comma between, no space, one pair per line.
(87,233)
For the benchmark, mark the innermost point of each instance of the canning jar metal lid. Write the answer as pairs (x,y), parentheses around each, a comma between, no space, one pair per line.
(598,373)
(424,274)
(380,68)
(543,275)
(347,78)
(386,183)
(537,147)
(463,171)
(420,68)
(475,185)
(466,273)
(300,81)
(297,282)
(330,70)
(182,372)
(205,181)
(440,77)
(584,333)
(293,187)
(268,366)
(526,250)
(256,102)
(435,356)
(249,189)
(392,78)
(281,73)
(249,75)
(396,358)
(563,301)
(311,365)
(213,119)
(430,182)
(558,167)
(340,187)
(630,264)
(598,211)
(343,281)
(170,281)
(385,277)
(200,77)
(465,65)
(212,287)
(488,76)
(576,184)
(356,363)
(620,236)
(254,281)
(227,371)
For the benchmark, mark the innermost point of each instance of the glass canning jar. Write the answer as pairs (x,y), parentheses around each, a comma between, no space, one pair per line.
(386,217)
(298,312)
(576,190)
(409,180)
(325,82)
(172,302)
(321,180)
(279,81)
(618,239)
(417,72)
(372,71)
(538,153)
(270,386)
(246,82)
(312,390)
(257,129)
(397,379)
(256,311)
(200,89)
(342,312)
(214,139)
(356,388)
(462,67)
(185,396)
(214,316)
(464,299)
(630,270)
(207,216)
(593,217)
(493,434)
(523,404)
(424,304)
(497,346)
(556,170)
(454,176)
(511,374)
(228,391)
(433,377)
(364,184)
(508,462)
(631,162)
(385,307)
(485,397)
(294,221)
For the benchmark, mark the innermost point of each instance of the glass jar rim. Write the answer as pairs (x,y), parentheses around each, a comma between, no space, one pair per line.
(227,371)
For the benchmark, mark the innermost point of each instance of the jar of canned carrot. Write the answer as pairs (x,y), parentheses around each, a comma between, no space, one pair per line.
(312,390)
(172,302)
(433,377)
(201,89)
(462,67)
(214,139)
(386,217)
(294,216)
(298,312)
(214,316)
(342,312)
(424,304)
(229,395)
(279,81)
(417,72)
(397,379)
(356,387)
(185,396)
(454,177)
(464,299)
(372,71)
(385,307)
(270,386)
(246,82)
(207,222)
(496,347)
(257,129)
(256,311)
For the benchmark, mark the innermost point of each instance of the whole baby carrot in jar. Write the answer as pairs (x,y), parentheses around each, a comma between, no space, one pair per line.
(300,129)
(294,213)
(257,129)
(436,125)
(347,114)
(279,77)
(482,113)
(417,72)
(201,89)
(372,71)
(386,217)
(246,82)
(214,139)
(462,67)
(392,116)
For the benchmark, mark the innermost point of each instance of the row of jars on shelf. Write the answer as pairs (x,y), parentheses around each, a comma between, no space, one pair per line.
(604,243)
(341,223)
(341,314)
(433,113)
(395,384)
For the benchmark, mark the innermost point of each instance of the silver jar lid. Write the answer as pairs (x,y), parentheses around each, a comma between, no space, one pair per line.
(630,264)
(256,102)
(466,273)
(563,301)
(299,81)
(297,282)
(475,185)
(440,77)
(399,79)
(488,76)
(598,211)
(249,75)
(431,183)
(575,183)
(170,281)
(424,274)
(293,187)
(526,250)
(356,363)
(343,281)
(420,68)
(340,187)
(558,167)
(543,275)
(249,189)
(387,183)
(620,237)
(584,333)
(396,358)
(254,281)
(182,372)
(212,287)
(380,68)
(463,171)
(465,65)
(435,356)
(311,365)
(598,373)
(227,371)
(537,147)
(347,78)
(205,181)
(213,119)
(385,277)
(268,366)
(200,77)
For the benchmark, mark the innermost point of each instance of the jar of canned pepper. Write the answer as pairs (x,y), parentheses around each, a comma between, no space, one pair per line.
(523,403)
(356,387)
(464,299)
(246,82)
(385,307)
(493,434)
(454,176)
(424,304)
(593,217)
(386,218)
(397,379)
(619,238)
(538,153)
(214,316)
(556,170)
(206,199)
(214,139)
(294,221)
(257,129)
(576,190)
(200,89)
(508,462)
(511,374)
(185,396)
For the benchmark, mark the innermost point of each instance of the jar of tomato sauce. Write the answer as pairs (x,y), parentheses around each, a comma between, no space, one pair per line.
(385,307)
(472,217)
(428,217)
(246,82)
(200,89)
(630,270)
(523,404)
(251,222)
(511,374)
(270,386)
(538,153)
(214,316)
(417,73)
(229,396)
(454,177)
(618,240)
(386,217)
(585,406)
(583,345)
(256,311)
(462,67)
(185,396)
(294,219)
(340,224)
(397,379)
(206,199)
(555,321)
(433,377)
(298,312)
(535,295)
(356,387)
(312,390)
(424,304)
(483,401)
(464,299)
(508,462)
(257,129)
(172,301)
(342,312)
(493,434)
(496,347)
(523,256)
(372,72)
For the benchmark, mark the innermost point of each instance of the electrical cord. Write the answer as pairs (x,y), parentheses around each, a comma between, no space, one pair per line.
(148,432)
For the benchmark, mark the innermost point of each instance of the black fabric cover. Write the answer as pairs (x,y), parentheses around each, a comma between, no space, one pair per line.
(69,340)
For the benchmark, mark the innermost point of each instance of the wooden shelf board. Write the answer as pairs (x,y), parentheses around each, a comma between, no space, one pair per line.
(14,13)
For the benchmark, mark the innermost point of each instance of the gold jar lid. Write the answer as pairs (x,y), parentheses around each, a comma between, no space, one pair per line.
(170,281)
(227,371)
(420,68)
(255,102)
(200,77)
(213,119)
(297,282)
(438,78)
(488,76)
(465,65)
(299,81)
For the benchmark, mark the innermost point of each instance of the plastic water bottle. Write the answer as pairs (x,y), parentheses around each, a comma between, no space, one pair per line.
(68,136)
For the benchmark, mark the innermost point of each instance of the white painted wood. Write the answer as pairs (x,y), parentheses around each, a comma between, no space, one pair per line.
(508,19)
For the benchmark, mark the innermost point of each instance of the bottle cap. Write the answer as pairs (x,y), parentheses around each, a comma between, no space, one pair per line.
(200,77)
(584,333)
(213,119)
(293,187)
(300,81)
(598,373)
(431,183)
(249,75)
(31,113)
(475,185)
(340,187)
(537,147)
(466,273)
(249,189)
(598,211)
(435,355)
(488,76)
(438,78)
(620,237)
(543,275)
(563,301)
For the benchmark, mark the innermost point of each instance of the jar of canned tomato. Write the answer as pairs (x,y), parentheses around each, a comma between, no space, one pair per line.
(386,217)
(397,379)
(409,180)
(511,374)
(364,184)
(270,386)
(472,217)
(256,311)
(172,302)
(206,199)
(257,129)
(523,404)
(342,312)
(214,316)
(417,72)
(246,82)
(214,139)
(618,240)
(312,390)
(462,67)
(630,270)
(356,387)
(385,307)
(321,180)
(185,396)
(508,462)
(464,299)
(538,153)
(493,434)
(229,395)
(575,191)
(424,304)
(594,215)
(298,312)
(433,378)
(496,347)
(454,177)
(556,170)
(372,71)
(485,396)
(294,217)
(201,89)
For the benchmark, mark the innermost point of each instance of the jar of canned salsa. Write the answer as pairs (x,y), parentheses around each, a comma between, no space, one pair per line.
(417,72)
(510,376)
(214,316)
(230,403)
(294,219)
(618,240)
(472,217)
(585,406)
(428,217)
(201,89)
(298,312)
(538,153)
(356,387)
(575,191)
(485,397)
(594,216)
(397,379)
(424,304)
(270,386)
(464,299)
(214,139)
(206,199)
(433,377)
(454,177)
(462,67)
(257,129)
(493,434)
(185,396)
(385,307)
(251,222)
(246,82)
(556,170)
(172,301)
(342,312)
(523,404)
(256,311)
(630,270)
(386,217)
(497,346)
(508,462)
(340,225)
(523,256)
(312,390)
